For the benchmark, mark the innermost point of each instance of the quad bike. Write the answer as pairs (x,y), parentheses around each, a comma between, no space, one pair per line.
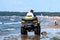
(30,24)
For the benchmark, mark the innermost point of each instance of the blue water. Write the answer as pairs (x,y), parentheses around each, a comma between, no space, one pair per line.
(10,25)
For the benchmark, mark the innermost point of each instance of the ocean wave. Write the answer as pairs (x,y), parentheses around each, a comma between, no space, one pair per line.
(10,23)
(10,29)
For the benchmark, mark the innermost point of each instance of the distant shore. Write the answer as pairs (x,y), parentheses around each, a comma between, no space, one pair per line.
(4,13)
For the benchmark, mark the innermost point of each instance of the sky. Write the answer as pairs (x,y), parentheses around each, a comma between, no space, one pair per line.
(25,5)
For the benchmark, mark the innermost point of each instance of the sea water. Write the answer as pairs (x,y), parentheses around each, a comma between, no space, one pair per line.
(10,27)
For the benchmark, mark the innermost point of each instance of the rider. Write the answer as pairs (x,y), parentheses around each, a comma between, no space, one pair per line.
(31,13)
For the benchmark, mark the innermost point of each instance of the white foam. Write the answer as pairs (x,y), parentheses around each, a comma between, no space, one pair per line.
(13,23)
(0,22)
(10,29)
(10,23)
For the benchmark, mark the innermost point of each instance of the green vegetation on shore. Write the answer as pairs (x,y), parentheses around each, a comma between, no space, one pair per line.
(24,13)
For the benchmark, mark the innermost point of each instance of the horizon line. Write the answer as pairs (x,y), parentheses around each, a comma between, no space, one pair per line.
(27,11)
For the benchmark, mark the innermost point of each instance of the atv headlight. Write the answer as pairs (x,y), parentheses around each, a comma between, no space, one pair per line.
(23,22)
(35,21)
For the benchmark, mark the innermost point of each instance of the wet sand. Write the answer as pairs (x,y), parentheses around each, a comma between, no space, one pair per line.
(58,33)
(25,37)
(53,25)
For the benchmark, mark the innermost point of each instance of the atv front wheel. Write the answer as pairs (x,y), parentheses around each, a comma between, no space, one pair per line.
(37,31)
(23,31)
